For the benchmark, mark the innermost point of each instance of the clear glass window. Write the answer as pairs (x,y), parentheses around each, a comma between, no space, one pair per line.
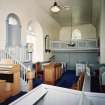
(76,35)
(12,21)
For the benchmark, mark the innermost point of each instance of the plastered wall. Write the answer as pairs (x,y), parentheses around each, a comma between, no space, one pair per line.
(88,31)
(27,10)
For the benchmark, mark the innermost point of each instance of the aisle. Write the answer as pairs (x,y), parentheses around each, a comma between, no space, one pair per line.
(67,79)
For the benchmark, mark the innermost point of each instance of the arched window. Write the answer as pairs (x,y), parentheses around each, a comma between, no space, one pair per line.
(13,31)
(76,35)
(35,38)
(30,33)
(12,20)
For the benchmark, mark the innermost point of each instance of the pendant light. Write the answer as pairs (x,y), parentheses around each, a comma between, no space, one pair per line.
(55,7)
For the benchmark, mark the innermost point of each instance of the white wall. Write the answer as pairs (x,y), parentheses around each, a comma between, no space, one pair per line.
(88,31)
(96,7)
(26,10)
(102,32)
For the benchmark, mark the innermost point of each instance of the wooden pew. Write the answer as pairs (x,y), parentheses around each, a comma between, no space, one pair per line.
(10,80)
(78,85)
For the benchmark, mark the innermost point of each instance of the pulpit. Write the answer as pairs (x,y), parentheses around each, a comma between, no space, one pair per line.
(52,72)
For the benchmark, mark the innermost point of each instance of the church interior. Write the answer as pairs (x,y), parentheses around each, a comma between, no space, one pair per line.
(52,52)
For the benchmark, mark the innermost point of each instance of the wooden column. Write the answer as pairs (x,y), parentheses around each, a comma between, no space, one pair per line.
(30,77)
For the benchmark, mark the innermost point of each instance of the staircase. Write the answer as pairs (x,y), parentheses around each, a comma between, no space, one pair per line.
(20,53)
(17,56)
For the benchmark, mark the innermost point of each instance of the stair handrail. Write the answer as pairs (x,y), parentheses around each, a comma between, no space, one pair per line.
(20,53)
(23,70)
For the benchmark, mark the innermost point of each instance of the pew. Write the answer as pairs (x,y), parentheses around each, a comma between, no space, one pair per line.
(9,80)
(79,84)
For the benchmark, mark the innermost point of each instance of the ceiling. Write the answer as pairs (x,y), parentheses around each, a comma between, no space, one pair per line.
(79,10)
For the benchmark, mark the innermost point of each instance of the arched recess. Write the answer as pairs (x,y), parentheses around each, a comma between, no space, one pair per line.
(13,30)
(35,38)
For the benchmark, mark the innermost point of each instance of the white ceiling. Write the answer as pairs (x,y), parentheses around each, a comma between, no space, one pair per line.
(80,10)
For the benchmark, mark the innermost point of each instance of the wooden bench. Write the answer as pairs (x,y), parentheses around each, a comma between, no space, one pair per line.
(78,85)
(9,80)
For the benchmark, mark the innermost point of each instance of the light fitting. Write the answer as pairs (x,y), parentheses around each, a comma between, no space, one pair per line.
(71,44)
(55,8)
